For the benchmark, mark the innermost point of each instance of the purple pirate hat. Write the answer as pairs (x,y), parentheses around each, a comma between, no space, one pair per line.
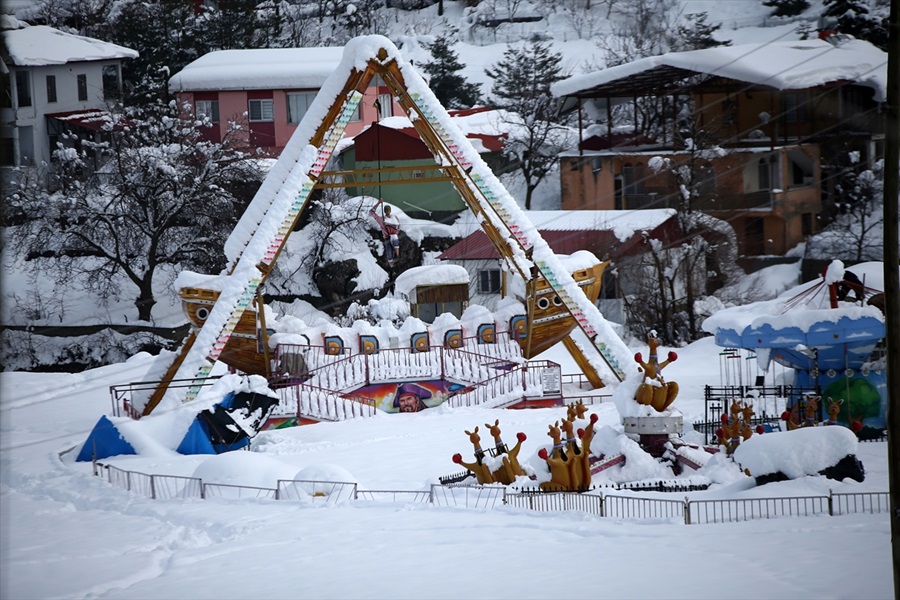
(411,388)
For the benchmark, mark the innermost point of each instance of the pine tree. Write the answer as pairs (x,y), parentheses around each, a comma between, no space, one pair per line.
(522,80)
(697,34)
(853,18)
(787,8)
(451,89)
(164,33)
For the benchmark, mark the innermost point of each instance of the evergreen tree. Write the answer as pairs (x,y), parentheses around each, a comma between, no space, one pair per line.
(697,34)
(853,18)
(522,80)
(786,8)
(448,85)
(165,35)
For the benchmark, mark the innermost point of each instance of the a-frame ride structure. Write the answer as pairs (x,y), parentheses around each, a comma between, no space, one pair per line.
(262,232)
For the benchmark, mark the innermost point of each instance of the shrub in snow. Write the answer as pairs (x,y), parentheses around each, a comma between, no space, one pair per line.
(804,451)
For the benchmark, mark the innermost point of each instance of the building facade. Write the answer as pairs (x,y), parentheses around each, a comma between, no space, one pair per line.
(55,83)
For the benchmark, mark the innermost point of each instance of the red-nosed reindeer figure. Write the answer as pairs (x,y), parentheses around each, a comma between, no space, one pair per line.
(654,391)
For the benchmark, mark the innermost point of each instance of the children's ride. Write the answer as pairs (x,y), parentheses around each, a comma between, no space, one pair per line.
(227,310)
(655,391)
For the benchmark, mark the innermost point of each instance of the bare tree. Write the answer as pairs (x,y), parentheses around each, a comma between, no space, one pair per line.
(159,203)
(857,232)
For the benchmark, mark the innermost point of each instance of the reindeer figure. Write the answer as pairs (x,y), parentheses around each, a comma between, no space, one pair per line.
(481,470)
(495,432)
(584,459)
(557,461)
(556,435)
(571,442)
(654,391)
(576,410)
(510,468)
(834,408)
(810,411)
(747,413)
(791,417)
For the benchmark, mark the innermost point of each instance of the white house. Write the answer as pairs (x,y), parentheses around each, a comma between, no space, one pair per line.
(53,82)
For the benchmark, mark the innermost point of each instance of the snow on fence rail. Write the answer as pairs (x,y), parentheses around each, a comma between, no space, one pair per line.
(691,512)
(305,399)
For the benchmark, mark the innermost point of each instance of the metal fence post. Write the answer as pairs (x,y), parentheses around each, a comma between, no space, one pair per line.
(687,510)
(830,503)
(153,487)
(602,505)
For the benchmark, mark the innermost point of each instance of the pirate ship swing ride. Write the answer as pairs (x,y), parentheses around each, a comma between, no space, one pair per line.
(227,313)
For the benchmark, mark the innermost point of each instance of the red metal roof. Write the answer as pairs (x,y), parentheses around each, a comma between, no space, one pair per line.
(602,242)
(91,118)
(388,143)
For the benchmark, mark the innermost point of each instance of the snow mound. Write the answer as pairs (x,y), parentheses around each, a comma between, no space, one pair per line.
(326,472)
(244,468)
(805,451)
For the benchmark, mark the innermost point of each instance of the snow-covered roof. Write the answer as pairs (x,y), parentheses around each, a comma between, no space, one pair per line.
(789,65)
(623,222)
(41,45)
(604,232)
(429,275)
(258,69)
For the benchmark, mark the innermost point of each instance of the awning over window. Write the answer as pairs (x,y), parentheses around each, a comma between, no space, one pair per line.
(92,118)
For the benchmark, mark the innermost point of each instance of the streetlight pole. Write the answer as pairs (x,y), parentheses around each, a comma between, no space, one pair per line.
(892,281)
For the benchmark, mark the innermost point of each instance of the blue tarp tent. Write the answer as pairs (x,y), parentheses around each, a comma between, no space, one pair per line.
(196,440)
(103,442)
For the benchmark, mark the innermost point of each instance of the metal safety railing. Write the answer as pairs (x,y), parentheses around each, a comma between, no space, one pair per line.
(688,511)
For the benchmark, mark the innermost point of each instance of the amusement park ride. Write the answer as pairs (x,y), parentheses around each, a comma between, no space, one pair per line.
(228,316)
(226,311)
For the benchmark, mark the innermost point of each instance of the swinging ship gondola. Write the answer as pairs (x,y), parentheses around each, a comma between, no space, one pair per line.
(547,321)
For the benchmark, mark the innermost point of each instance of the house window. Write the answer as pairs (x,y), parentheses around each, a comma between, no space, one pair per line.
(82,88)
(262,110)
(298,104)
(6,95)
(706,181)
(7,152)
(633,178)
(793,107)
(386,104)
(23,88)
(111,88)
(806,223)
(765,182)
(207,108)
(357,114)
(51,88)
(489,281)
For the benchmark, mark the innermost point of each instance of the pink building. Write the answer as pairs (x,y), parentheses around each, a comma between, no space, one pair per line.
(269,91)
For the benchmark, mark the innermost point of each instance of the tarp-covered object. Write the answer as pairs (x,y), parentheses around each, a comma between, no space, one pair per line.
(196,440)
(230,424)
(104,441)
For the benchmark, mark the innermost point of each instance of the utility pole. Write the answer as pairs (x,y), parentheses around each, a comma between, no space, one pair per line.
(892,280)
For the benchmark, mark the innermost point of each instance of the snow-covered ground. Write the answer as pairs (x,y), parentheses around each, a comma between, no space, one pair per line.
(67,534)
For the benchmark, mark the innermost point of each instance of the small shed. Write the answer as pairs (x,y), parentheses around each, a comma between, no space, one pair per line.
(434,289)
